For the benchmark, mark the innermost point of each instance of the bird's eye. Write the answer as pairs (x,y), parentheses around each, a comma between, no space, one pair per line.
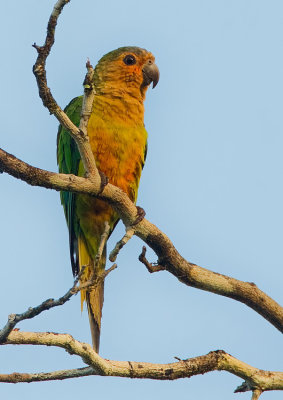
(129,60)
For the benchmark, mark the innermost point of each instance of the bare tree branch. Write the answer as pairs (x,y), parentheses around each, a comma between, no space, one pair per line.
(214,361)
(95,280)
(79,134)
(32,312)
(14,319)
(168,257)
(18,377)
(89,92)
(150,267)
(102,243)
(119,245)
(256,394)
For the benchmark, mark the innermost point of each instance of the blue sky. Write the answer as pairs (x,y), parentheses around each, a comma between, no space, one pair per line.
(212,182)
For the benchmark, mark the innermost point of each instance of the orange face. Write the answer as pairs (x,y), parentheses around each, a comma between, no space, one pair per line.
(127,70)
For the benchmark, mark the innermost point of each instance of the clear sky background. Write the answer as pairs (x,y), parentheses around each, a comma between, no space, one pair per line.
(212,182)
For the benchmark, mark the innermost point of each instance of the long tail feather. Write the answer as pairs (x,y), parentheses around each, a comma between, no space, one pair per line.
(93,297)
(94,300)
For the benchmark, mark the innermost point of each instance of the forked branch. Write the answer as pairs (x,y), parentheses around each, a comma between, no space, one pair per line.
(214,361)
(168,257)
(14,319)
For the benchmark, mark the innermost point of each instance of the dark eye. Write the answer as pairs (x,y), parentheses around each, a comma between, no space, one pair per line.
(129,60)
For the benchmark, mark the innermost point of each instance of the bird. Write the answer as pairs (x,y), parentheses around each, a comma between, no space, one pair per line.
(118,140)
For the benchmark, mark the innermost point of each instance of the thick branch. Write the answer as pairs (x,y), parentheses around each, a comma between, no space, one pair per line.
(213,361)
(168,257)
(50,180)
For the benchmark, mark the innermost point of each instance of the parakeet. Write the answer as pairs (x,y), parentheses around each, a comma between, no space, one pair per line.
(118,140)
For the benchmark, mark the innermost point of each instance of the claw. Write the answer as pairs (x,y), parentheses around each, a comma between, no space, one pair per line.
(103,183)
(140,215)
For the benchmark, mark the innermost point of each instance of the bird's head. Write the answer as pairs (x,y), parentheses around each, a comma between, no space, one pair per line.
(126,71)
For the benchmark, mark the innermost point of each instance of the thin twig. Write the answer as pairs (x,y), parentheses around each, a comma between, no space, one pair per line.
(43,52)
(14,319)
(150,267)
(89,92)
(94,281)
(130,231)
(244,387)
(256,394)
(102,243)
(18,377)
(39,70)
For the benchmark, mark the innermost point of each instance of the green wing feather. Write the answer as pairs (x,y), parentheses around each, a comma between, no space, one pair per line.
(68,159)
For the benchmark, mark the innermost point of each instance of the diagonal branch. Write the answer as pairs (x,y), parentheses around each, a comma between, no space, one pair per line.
(119,245)
(258,380)
(168,257)
(14,319)
(32,312)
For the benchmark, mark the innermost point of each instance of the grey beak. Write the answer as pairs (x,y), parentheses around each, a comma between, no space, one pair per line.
(150,74)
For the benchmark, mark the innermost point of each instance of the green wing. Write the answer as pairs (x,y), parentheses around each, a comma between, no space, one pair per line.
(68,159)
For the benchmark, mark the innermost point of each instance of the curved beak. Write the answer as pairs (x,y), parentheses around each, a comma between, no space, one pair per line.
(150,74)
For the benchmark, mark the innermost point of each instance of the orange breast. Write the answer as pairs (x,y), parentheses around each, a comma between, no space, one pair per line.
(119,152)
(118,140)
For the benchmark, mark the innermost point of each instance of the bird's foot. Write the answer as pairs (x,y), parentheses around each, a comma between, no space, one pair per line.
(103,183)
(140,215)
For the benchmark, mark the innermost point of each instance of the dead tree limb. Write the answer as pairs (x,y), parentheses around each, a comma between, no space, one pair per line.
(217,360)
(168,257)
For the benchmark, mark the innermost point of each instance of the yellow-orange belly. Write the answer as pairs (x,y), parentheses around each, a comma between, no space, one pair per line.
(119,154)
